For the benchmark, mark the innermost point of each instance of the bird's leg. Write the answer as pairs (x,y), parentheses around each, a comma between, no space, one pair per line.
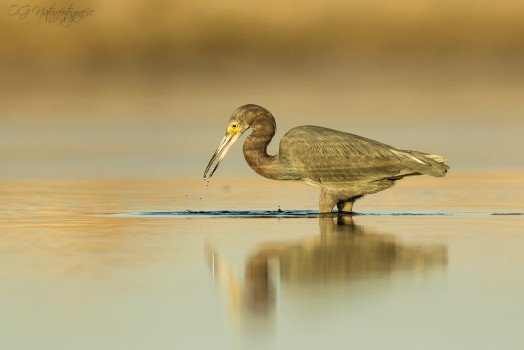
(345,206)
(327,202)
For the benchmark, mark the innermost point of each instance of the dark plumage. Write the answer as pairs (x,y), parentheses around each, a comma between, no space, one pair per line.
(343,166)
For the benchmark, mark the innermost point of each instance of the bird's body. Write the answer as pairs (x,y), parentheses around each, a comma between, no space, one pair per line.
(342,165)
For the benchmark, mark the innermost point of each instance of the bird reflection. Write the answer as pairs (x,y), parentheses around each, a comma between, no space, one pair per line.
(343,252)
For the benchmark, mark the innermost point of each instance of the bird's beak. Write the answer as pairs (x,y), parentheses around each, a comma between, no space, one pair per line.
(221,151)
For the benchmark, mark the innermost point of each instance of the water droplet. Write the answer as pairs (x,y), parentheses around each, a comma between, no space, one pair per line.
(208,180)
(200,198)
(186,196)
(207,186)
(279,210)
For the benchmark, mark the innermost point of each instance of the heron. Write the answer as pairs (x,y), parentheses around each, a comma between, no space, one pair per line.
(344,166)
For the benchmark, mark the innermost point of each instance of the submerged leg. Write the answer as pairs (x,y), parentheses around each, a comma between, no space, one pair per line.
(346,206)
(327,202)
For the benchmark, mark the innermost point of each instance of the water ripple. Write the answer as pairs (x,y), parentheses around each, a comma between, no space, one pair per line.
(507,214)
(233,213)
(295,214)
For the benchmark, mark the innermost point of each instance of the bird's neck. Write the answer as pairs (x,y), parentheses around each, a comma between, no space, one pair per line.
(255,151)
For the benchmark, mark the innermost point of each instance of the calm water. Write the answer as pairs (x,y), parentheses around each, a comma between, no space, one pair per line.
(173,264)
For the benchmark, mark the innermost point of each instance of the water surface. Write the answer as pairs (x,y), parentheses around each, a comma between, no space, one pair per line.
(249,263)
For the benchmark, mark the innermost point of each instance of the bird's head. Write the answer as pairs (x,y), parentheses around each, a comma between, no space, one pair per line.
(242,119)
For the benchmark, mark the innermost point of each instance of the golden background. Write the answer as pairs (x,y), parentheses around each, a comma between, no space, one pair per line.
(145,88)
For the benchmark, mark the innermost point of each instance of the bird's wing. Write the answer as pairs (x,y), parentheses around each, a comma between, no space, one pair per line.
(326,155)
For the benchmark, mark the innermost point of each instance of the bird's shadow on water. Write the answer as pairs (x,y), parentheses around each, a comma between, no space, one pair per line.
(343,252)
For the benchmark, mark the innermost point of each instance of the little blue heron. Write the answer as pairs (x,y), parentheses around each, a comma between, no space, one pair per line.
(343,166)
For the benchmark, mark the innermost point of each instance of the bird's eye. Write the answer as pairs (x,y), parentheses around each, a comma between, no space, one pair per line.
(234,126)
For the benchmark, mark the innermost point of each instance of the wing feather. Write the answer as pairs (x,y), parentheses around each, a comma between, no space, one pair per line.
(326,155)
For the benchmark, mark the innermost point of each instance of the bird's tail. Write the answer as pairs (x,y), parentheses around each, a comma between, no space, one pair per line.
(437,158)
(437,162)
(423,163)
